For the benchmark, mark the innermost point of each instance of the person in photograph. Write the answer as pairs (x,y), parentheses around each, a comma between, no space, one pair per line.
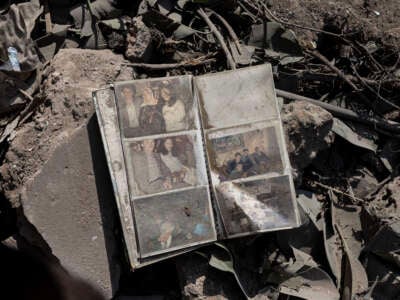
(166,234)
(151,120)
(231,166)
(247,161)
(130,111)
(260,159)
(238,172)
(151,174)
(173,110)
(180,172)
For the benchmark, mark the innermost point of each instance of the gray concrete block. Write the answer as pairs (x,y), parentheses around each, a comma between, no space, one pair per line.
(71,204)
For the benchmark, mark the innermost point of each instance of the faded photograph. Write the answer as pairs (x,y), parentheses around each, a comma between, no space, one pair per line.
(156,106)
(159,165)
(237,97)
(173,221)
(246,154)
(256,205)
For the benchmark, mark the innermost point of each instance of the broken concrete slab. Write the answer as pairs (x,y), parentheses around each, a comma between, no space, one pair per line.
(308,130)
(67,92)
(56,170)
(71,204)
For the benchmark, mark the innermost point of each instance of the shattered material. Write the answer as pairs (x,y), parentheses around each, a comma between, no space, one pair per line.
(16,27)
(341,56)
(309,130)
(140,42)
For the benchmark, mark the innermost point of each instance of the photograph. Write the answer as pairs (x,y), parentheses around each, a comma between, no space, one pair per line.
(237,97)
(149,107)
(245,154)
(161,164)
(173,221)
(258,205)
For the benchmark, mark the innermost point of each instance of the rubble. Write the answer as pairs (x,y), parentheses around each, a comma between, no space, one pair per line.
(309,130)
(56,169)
(336,66)
(66,93)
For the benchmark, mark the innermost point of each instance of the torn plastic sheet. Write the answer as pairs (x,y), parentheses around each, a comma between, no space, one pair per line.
(227,266)
(333,246)
(11,97)
(279,44)
(311,207)
(312,284)
(167,25)
(16,27)
(343,130)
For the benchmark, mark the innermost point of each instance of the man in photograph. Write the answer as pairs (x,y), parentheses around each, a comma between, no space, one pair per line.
(260,159)
(247,161)
(130,111)
(231,166)
(150,174)
(237,172)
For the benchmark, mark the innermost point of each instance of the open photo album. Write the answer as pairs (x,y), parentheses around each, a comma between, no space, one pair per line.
(194,160)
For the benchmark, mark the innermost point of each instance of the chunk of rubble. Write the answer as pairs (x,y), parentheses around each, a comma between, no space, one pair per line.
(381,228)
(200,281)
(56,169)
(139,41)
(308,130)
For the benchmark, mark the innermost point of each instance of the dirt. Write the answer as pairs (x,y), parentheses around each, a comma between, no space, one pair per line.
(76,72)
(376,19)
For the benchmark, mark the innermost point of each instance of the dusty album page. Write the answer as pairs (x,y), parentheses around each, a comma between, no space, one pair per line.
(249,166)
(165,163)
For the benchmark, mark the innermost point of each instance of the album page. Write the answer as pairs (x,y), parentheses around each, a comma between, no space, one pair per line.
(247,157)
(165,165)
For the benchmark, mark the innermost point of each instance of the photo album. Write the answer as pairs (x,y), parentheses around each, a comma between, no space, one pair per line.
(194,160)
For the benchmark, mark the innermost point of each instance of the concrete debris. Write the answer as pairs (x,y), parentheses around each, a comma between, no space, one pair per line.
(56,169)
(140,42)
(73,75)
(56,200)
(308,128)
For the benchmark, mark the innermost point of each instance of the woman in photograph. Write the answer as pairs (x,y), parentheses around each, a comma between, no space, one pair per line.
(151,120)
(179,171)
(173,111)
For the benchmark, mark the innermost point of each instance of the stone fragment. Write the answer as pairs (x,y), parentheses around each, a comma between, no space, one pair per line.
(200,281)
(308,131)
(56,169)
(139,41)
(71,204)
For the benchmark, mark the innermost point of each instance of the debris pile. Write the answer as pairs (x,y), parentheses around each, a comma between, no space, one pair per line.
(337,72)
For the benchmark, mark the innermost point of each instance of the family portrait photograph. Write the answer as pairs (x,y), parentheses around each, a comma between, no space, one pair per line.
(173,221)
(257,205)
(152,107)
(246,154)
(163,164)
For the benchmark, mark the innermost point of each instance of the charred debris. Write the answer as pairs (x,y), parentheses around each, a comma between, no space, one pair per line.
(338,77)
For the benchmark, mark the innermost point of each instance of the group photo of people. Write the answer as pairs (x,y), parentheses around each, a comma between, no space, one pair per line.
(163,164)
(246,154)
(154,107)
